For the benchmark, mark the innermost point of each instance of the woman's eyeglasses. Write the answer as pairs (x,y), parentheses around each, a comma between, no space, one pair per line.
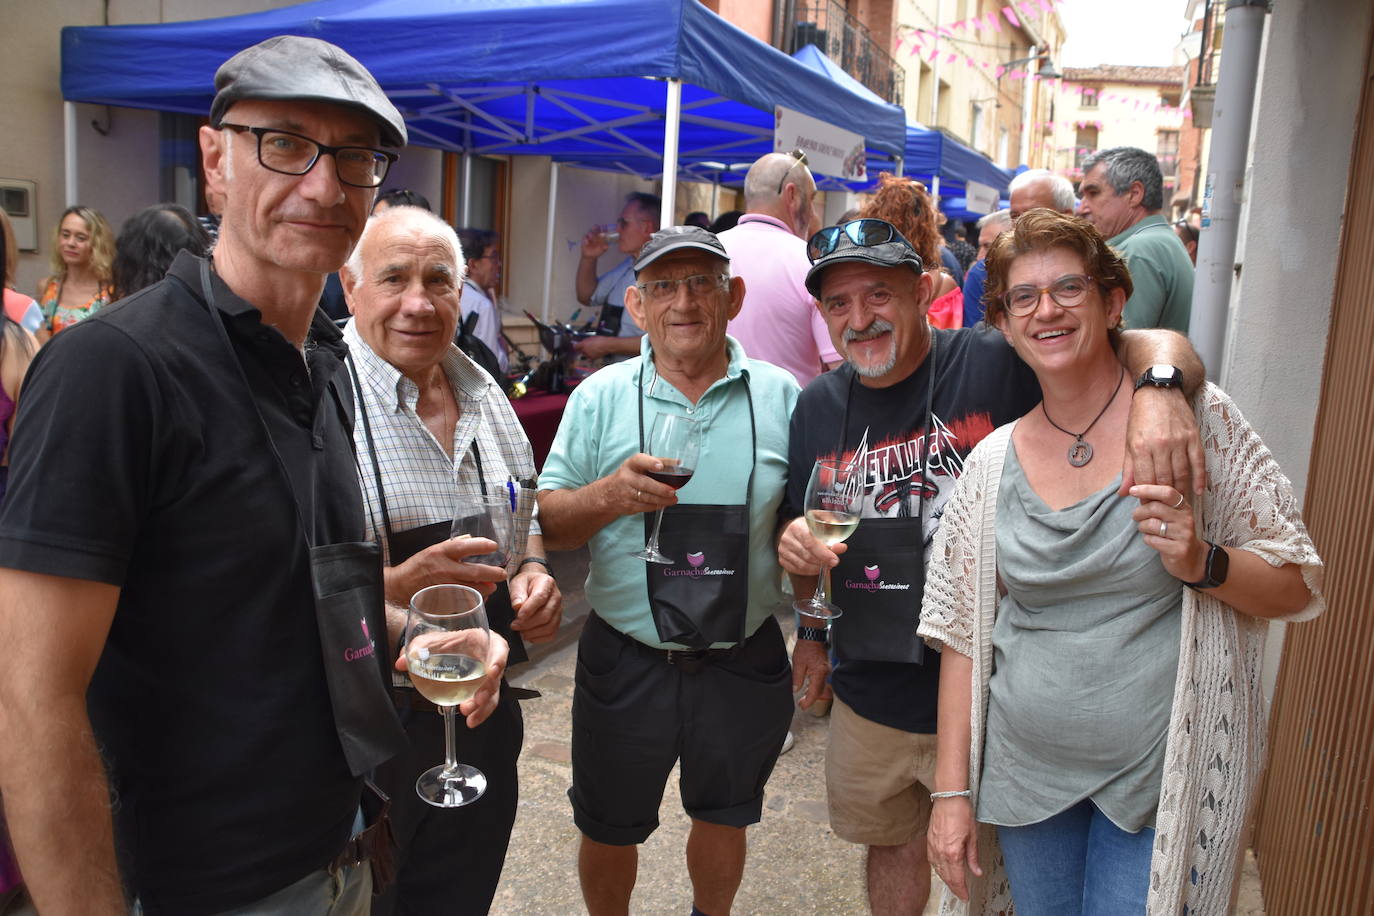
(1067,292)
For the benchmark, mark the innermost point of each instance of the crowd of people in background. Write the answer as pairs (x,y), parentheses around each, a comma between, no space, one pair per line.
(1041,658)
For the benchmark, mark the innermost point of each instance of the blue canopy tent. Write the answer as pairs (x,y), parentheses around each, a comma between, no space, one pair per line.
(603,79)
(928,154)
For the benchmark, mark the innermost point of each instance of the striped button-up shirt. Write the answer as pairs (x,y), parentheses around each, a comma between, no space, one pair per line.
(423,485)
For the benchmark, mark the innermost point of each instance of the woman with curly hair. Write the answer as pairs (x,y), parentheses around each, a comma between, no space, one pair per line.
(904,203)
(82,269)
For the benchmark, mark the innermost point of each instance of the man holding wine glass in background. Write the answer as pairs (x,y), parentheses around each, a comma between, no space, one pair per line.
(681,658)
(906,408)
(441,453)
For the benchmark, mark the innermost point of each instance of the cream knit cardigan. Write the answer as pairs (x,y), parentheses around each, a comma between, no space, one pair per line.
(1215,744)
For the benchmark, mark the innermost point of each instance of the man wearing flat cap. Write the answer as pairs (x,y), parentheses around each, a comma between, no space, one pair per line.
(681,660)
(196,650)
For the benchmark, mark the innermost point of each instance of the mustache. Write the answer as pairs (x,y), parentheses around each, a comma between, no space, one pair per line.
(877,327)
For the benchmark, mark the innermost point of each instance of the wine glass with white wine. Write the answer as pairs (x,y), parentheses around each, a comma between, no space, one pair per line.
(447,643)
(834,502)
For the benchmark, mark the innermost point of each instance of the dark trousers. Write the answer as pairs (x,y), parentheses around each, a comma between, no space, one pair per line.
(449,859)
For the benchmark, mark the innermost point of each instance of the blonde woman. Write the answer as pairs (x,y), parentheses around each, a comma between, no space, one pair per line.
(82,269)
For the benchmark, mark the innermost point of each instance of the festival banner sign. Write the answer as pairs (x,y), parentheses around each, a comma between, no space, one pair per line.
(829,150)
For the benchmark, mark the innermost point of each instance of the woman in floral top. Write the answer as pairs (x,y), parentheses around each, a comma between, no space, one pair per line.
(82,262)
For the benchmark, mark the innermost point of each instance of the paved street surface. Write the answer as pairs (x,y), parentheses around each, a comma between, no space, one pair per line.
(796,866)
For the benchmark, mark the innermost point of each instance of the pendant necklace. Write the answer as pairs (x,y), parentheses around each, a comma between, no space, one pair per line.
(1080,453)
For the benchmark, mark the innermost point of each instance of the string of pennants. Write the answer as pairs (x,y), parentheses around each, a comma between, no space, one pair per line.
(925,43)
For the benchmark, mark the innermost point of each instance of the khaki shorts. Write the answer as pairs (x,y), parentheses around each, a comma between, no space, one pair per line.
(877,780)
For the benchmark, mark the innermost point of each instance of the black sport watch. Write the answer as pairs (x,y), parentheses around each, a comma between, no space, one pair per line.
(1160,377)
(1218,564)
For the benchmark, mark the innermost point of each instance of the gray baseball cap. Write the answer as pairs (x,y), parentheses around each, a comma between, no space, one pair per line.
(676,238)
(868,241)
(292,67)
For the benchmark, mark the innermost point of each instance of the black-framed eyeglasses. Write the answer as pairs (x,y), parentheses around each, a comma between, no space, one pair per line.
(290,153)
(1067,292)
(800,156)
(863,233)
(697,285)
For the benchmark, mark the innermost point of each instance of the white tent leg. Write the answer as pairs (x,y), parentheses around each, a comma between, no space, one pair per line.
(670,136)
(69,146)
(467,190)
(549,248)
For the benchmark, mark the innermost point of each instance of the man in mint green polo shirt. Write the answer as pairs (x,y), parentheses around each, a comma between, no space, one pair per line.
(681,661)
(1121,193)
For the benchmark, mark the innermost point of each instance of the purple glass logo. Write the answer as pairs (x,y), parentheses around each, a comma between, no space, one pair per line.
(696,559)
(872,572)
(352,655)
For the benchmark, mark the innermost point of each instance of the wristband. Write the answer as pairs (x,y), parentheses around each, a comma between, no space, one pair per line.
(540,560)
(814,634)
(962,793)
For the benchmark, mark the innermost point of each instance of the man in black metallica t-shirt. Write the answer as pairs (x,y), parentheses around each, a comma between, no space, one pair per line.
(882,410)
(179,555)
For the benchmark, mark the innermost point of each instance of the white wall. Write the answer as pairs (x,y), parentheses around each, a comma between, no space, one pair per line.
(1303,131)
(1311,75)
(585,198)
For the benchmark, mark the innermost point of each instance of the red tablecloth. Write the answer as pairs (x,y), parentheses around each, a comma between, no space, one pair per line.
(539,413)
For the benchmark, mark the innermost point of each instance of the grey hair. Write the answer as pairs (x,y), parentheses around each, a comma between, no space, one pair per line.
(417,215)
(999,216)
(1125,166)
(1061,189)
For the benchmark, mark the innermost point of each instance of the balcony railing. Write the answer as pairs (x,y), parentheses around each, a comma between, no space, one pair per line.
(845,40)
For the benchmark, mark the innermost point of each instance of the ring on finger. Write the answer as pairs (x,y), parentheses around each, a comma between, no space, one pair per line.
(1179,504)
(1163,529)
(639,497)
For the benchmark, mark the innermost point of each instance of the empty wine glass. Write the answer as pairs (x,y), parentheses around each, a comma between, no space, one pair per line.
(675,440)
(486,517)
(447,643)
(834,502)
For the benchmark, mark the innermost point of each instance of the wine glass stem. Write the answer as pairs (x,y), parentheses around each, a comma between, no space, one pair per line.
(822,596)
(450,755)
(658,521)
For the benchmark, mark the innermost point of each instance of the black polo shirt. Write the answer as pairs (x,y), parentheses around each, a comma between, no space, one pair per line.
(138,461)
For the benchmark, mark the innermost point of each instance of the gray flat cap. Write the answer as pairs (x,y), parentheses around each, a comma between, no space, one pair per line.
(291,67)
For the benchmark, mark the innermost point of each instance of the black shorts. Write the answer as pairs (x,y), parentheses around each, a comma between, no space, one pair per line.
(634,715)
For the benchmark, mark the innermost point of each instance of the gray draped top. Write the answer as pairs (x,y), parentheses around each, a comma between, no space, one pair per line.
(1085,651)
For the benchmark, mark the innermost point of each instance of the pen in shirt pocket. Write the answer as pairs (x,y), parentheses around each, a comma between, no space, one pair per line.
(510,492)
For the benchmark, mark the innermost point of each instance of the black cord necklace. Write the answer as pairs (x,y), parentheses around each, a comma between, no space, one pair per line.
(1080,453)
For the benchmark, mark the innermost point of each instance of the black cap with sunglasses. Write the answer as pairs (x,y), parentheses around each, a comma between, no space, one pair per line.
(869,241)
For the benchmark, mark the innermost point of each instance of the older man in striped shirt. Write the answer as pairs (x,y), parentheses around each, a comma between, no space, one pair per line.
(434,432)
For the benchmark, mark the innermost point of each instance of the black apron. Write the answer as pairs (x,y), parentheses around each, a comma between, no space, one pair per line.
(879,580)
(402,545)
(704,597)
(349,612)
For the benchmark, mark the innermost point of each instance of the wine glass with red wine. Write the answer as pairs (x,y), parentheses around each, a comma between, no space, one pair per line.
(675,440)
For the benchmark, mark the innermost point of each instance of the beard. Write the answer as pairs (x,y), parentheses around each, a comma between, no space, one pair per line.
(876,328)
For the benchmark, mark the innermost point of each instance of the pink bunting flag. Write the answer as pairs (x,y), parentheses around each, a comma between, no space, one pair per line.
(949,60)
(1047,6)
(969,61)
(1000,71)
(1026,7)
(993,22)
(960,25)
(1011,16)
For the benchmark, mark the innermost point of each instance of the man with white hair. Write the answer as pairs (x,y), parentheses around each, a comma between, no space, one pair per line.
(1041,188)
(1122,193)
(434,433)
(989,227)
(778,323)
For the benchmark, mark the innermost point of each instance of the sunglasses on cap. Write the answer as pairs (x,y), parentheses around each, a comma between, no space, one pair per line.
(863,233)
